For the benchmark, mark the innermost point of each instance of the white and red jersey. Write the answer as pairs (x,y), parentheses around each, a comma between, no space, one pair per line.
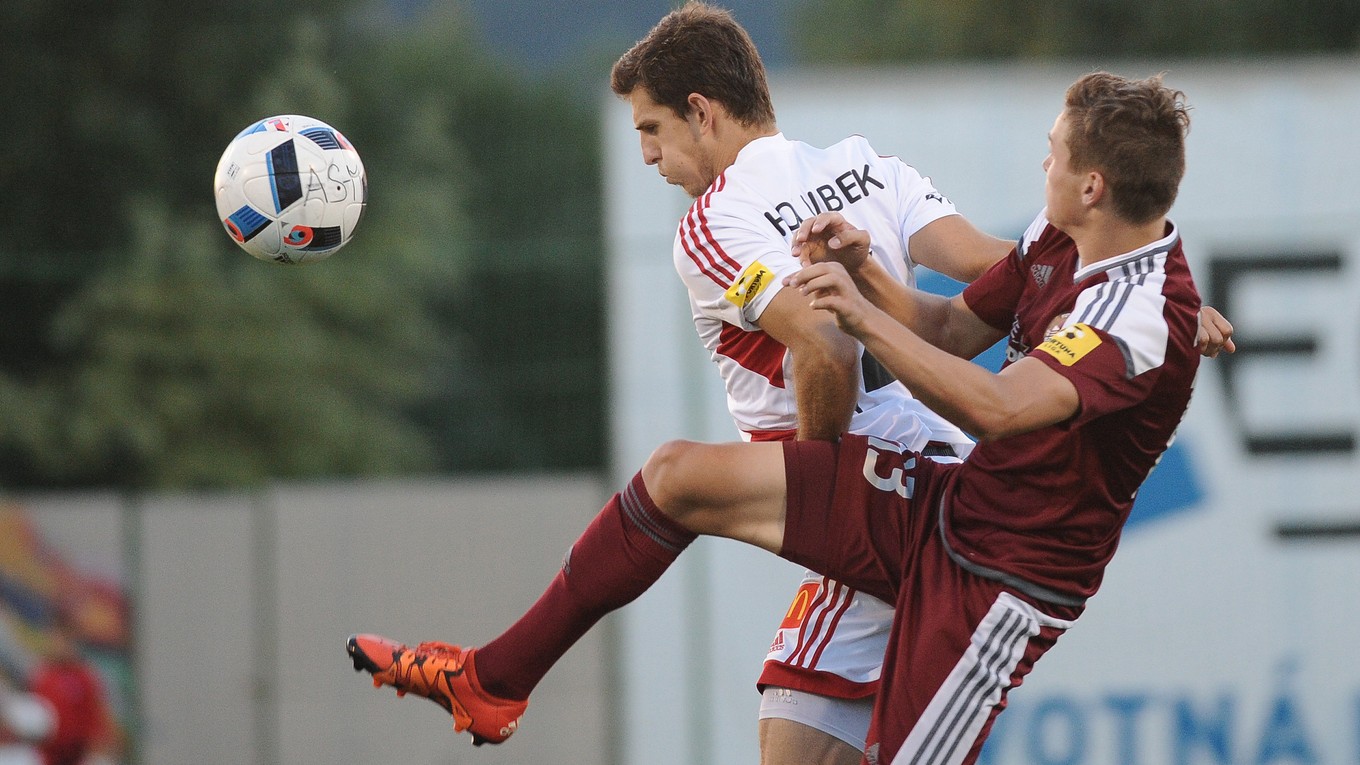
(732,250)
(1042,511)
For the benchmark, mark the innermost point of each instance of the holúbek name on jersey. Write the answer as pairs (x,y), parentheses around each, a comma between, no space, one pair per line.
(847,188)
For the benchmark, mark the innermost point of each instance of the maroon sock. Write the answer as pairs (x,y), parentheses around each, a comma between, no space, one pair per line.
(628,546)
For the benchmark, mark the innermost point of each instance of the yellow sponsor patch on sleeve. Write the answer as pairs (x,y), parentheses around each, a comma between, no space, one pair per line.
(752,282)
(1069,345)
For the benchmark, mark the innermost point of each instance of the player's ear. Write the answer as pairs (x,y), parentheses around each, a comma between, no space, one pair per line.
(1093,190)
(701,111)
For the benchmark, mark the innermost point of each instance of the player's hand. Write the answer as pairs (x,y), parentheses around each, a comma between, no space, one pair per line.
(831,289)
(1215,333)
(829,237)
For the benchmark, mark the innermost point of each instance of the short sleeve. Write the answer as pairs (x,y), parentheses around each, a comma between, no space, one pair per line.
(993,297)
(732,267)
(919,201)
(1112,368)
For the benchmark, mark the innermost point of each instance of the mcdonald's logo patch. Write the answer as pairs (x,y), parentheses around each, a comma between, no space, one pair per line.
(798,610)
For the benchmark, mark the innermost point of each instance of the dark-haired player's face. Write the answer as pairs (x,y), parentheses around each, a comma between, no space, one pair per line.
(671,144)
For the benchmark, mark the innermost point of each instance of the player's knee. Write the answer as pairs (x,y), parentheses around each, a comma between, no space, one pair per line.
(667,477)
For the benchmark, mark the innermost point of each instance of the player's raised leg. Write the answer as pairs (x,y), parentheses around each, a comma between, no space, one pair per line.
(783,740)
(734,490)
(685,489)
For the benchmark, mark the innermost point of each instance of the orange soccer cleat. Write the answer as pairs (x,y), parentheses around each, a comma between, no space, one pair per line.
(444,674)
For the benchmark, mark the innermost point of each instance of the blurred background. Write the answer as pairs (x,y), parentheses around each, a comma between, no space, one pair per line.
(215,468)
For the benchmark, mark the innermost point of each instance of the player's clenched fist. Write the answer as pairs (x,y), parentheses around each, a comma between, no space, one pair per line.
(1215,333)
(828,237)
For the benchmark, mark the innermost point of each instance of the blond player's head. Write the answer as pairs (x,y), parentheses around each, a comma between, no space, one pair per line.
(1133,133)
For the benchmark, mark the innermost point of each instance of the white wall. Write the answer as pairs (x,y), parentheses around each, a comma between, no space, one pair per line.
(242,604)
(1215,639)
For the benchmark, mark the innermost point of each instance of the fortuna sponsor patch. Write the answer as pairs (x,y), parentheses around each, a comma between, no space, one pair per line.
(1070,345)
(753,281)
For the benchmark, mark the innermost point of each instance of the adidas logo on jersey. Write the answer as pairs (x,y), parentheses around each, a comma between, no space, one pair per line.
(1041,274)
(778,644)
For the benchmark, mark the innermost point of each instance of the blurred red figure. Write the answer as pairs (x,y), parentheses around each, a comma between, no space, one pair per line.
(76,694)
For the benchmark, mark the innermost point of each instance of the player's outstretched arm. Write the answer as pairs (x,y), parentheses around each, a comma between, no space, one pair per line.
(956,248)
(1026,396)
(825,375)
(829,238)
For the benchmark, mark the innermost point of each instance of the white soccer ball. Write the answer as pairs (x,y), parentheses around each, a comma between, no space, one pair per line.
(290,189)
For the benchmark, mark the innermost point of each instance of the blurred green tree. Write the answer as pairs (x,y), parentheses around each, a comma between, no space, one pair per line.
(887,31)
(520,384)
(140,347)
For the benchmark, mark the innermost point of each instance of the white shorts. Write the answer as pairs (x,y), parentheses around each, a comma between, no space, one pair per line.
(831,641)
(845,719)
(827,657)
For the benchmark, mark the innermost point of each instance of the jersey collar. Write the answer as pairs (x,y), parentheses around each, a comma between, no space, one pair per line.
(1151,250)
(762,145)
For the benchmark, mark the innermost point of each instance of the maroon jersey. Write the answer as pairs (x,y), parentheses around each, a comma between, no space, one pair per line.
(1042,511)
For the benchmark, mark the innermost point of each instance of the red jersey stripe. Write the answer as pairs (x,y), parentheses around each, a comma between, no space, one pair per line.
(695,250)
(700,246)
(754,351)
(831,629)
(822,592)
(708,234)
(818,636)
(721,278)
(758,436)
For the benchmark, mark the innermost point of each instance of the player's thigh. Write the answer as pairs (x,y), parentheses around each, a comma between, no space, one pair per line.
(734,490)
(786,742)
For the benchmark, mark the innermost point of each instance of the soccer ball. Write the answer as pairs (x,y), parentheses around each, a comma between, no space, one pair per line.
(290,189)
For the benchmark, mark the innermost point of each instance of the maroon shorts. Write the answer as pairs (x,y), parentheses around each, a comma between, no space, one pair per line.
(866,512)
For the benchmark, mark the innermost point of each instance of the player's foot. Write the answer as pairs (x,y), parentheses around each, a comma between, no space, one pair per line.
(444,674)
